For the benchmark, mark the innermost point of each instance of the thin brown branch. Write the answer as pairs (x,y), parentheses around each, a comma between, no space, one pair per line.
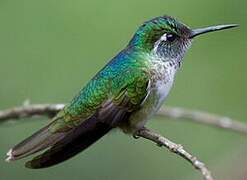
(175,148)
(204,118)
(27,111)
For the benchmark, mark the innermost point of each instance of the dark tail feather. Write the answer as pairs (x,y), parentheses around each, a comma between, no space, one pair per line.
(37,142)
(74,142)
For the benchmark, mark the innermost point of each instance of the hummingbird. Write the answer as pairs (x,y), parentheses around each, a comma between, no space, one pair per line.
(126,93)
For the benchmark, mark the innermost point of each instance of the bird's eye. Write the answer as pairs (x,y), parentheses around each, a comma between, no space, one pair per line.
(171,37)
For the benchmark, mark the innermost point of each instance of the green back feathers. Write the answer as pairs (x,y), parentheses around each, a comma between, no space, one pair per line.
(126,76)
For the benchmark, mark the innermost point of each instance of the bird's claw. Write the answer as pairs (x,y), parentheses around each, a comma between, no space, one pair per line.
(136,133)
(136,136)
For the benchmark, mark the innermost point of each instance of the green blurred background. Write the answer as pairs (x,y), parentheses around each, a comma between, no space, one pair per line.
(49,49)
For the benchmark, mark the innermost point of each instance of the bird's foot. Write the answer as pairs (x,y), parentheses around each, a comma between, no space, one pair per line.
(137,132)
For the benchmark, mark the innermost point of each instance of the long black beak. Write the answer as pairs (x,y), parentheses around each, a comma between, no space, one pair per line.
(196,32)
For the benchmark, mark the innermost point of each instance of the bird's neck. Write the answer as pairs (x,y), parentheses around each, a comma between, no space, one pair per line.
(160,58)
(158,54)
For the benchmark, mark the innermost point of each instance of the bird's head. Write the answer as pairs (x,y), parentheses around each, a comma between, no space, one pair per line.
(168,37)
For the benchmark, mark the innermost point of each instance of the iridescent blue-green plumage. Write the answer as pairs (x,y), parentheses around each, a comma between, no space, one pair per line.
(118,76)
(124,94)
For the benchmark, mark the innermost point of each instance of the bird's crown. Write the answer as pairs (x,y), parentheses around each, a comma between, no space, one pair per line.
(151,31)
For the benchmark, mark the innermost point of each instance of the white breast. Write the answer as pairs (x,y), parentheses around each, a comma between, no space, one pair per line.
(163,85)
(159,87)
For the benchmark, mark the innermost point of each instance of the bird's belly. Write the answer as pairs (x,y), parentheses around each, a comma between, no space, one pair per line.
(162,91)
(151,105)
